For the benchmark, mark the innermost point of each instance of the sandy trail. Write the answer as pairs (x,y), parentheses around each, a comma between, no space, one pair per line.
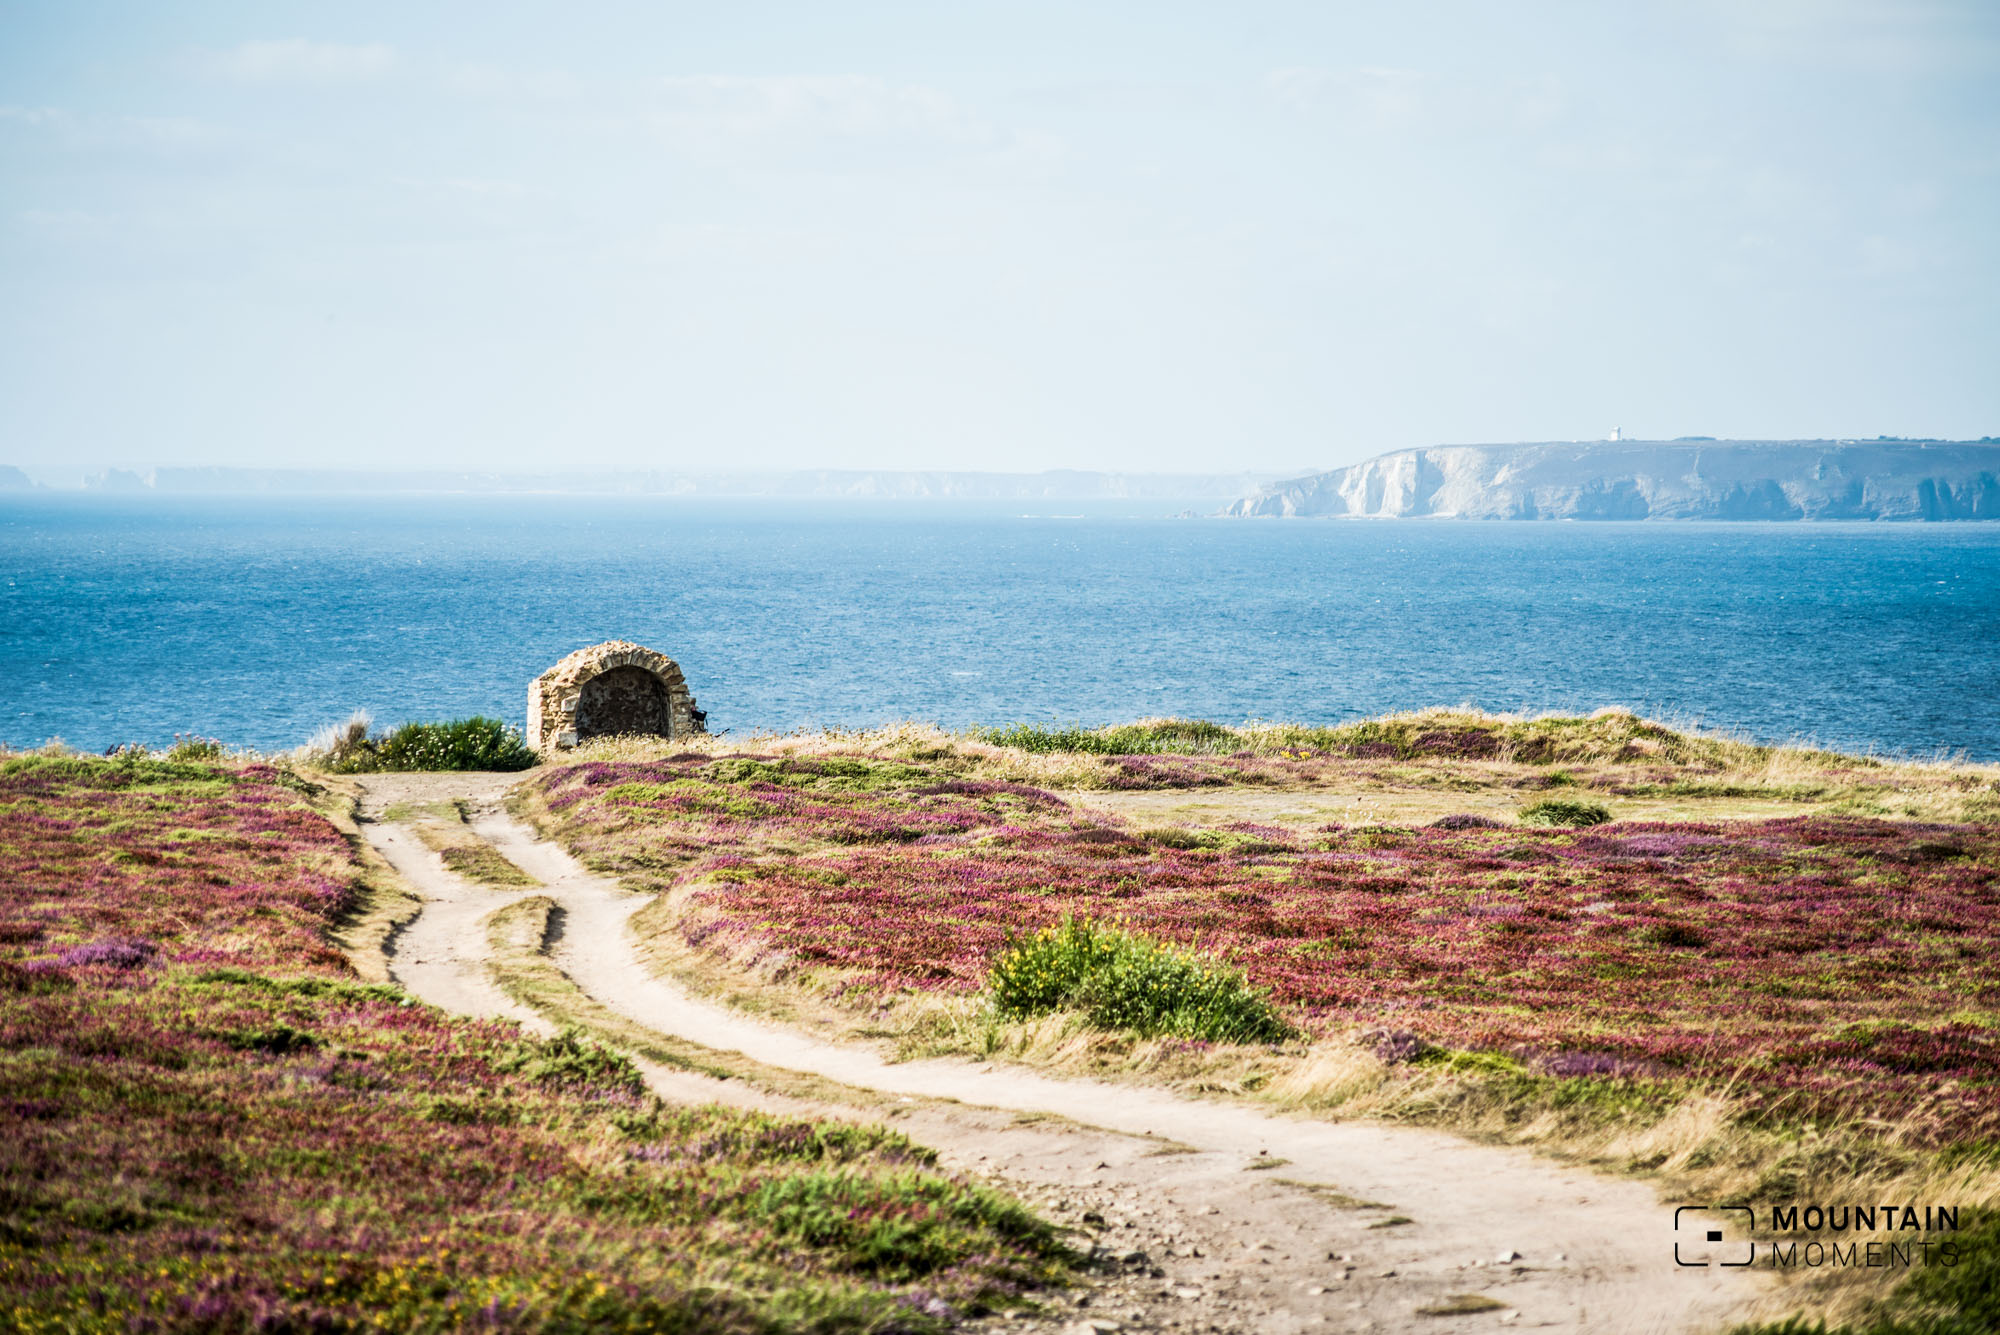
(1237,1249)
(441,955)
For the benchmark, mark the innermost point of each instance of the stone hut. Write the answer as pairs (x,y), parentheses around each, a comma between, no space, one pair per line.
(608,690)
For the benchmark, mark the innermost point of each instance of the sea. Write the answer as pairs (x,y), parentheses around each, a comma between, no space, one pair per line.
(257,620)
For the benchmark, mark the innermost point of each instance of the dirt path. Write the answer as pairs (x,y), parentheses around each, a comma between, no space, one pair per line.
(1306,1246)
(441,954)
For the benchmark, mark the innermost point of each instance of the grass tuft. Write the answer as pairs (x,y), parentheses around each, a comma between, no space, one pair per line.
(1462,1304)
(571,1060)
(1564,811)
(1121,980)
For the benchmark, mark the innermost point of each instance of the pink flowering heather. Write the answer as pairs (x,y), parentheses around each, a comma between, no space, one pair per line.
(212,1125)
(1819,965)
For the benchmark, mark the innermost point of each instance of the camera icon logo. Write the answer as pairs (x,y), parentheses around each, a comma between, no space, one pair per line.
(1714,1235)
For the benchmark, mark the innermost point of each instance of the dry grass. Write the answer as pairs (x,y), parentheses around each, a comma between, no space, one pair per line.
(1643,768)
(383,903)
(958,754)
(1461,1304)
(336,742)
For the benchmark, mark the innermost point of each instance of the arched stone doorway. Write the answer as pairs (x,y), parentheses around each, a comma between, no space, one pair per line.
(621,701)
(613,689)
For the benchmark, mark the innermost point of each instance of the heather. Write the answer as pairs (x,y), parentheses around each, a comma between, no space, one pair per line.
(1822,966)
(213,1124)
(1768,975)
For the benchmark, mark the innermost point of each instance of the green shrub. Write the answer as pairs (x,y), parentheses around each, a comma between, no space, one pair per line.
(462,744)
(1564,811)
(1121,980)
(467,743)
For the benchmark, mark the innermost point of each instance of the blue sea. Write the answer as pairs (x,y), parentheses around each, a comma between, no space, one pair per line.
(257,620)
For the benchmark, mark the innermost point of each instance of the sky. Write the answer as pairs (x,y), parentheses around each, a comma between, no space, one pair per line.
(1136,236)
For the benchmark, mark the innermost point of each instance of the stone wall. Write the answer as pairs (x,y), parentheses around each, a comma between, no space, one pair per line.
(610,689)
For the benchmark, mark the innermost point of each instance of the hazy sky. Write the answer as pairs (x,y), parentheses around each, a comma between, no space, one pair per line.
(1139,235)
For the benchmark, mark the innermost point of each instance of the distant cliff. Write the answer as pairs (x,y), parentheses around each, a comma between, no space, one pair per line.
(1654,479)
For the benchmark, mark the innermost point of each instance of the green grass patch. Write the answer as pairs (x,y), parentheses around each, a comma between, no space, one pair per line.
(837,774)
(902,1227)
(485,864)
(331,990)
(128,770)
(1161,737)
(1121,980)
(570,1058)
(1469,1063)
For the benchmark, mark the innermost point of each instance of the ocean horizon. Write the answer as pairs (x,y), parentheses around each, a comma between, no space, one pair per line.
(257,620)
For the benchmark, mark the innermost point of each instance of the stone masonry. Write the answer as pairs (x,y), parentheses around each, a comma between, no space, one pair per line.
(612,689)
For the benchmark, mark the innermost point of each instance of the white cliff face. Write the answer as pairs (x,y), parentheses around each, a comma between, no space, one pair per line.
(1636,479)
